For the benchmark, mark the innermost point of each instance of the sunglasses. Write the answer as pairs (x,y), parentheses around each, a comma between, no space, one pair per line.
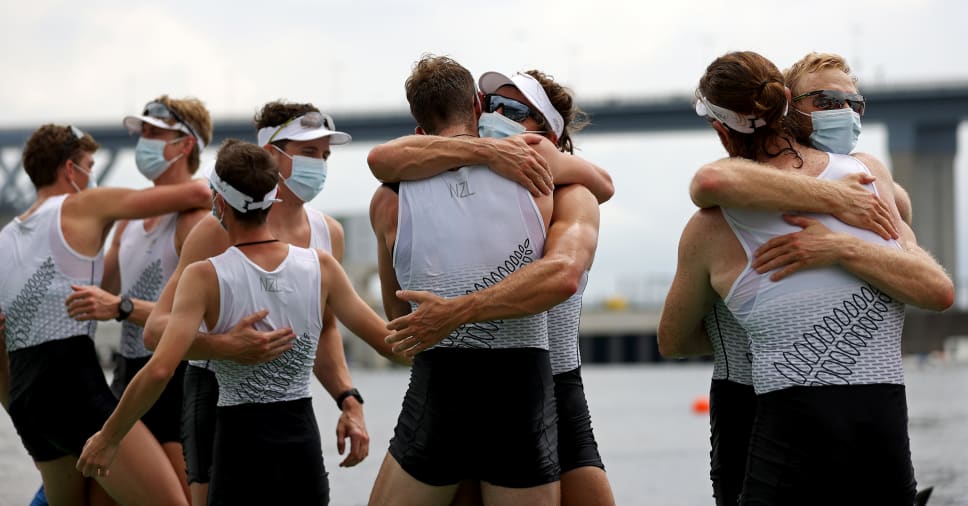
(162,111)
(76,135)
(833,99)
(310,120)
(511,108)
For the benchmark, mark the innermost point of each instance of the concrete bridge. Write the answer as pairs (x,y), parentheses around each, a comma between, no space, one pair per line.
(921,120)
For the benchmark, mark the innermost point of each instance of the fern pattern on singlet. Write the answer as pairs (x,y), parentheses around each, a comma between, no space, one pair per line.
(148,287)
(24,308)
(834,337)
(527,332)
(283,379)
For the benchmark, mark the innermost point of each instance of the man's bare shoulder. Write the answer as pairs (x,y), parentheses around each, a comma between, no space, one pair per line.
(384,200)
(206,239)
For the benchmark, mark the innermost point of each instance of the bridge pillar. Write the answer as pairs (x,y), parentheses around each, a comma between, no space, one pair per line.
(922,158)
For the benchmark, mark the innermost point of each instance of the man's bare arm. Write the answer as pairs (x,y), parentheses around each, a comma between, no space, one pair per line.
(530,160)
(421,156)
(88,302)
(741,183)
(383,219)
(539,286)
(569,169)
(910,275)
(681,332)
(333,373)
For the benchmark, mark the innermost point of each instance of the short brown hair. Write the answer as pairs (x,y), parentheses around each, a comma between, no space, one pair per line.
(277,112)
(747,83)
(49,147)
(193,111)
(250,170)
(441,92)
(564,102)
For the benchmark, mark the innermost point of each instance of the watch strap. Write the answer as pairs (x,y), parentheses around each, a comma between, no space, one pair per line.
(125,308)
(352,392)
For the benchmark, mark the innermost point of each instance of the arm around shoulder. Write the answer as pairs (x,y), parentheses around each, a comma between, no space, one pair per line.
(120,203)
(570,169)
(421,156)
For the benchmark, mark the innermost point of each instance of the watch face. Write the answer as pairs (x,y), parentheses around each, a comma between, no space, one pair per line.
(126,306)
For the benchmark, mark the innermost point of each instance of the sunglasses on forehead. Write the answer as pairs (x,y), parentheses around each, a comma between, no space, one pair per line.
(76,135)
(310,120)
(162,111)
(833,99)
(511,108)
(77,132)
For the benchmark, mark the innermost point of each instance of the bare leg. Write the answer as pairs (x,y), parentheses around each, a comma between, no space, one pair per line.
(542,495)
(396,487)
(586,486)
(199,494)
(141,473)
(177,458)
(63,484)
(96,494)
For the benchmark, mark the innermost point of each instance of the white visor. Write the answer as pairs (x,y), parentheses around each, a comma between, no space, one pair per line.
(531,89)
(238,200)
(734,120)
(133,124)
(309,126)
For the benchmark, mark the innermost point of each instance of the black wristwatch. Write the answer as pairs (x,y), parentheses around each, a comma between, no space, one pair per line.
(125,308)
(349,393)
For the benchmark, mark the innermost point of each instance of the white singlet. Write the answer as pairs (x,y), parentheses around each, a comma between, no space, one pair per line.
(291,294)
(463,231)
(319,238)
(39,269)
(563,322)
(818,326)
(147,259)
(731,346)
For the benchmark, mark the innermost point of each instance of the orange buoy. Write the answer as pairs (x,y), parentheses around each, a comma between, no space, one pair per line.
(700,405)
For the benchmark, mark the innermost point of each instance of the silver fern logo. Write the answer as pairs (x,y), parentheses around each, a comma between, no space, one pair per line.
(148,287)
(23,310)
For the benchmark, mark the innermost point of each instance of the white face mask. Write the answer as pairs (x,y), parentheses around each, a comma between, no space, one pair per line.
(91,182)
(495,125)
(149,157)
(835,130)
(498,126)
(307,176)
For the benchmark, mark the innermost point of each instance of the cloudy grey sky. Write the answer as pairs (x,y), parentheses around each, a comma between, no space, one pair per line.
(93,62)
(97,60)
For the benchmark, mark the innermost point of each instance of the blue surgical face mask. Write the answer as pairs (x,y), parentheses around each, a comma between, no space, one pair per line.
(308,175)
(91,182)
(495,125)
(835,130)
(149,156)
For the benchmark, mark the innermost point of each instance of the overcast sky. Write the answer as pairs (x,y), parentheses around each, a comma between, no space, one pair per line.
(94,62)
(98,60)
